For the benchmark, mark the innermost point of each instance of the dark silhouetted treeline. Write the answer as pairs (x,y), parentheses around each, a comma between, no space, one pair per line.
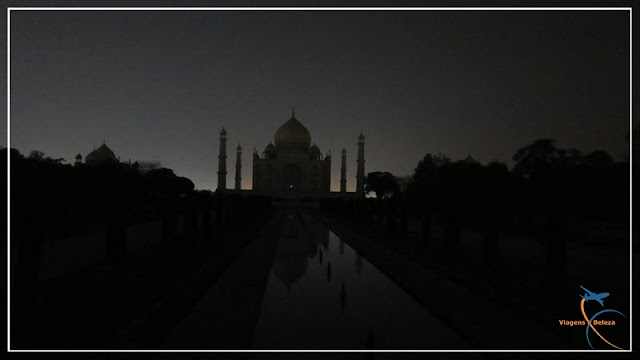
(555,195)
(66,197)
(52,200)
(112,207)
(545,183)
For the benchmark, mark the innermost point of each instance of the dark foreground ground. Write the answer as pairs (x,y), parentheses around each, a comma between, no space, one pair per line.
(210,295)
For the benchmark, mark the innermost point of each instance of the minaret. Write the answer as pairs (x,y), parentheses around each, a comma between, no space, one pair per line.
(360,174)
(222,161)
(238,166)
(343,172)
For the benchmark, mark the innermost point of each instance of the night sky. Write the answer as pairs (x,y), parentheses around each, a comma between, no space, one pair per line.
(159,85)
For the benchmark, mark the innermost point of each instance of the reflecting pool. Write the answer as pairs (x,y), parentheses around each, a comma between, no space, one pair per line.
(321,294)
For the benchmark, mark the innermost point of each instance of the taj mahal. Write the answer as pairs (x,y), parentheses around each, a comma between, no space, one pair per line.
(291,166)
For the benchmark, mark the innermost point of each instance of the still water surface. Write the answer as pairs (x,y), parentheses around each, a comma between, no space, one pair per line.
(321,294)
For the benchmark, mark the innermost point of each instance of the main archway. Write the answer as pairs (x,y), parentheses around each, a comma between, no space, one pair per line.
(292,177)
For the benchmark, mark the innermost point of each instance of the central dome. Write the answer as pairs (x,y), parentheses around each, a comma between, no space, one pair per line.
(101,155)
(293,132)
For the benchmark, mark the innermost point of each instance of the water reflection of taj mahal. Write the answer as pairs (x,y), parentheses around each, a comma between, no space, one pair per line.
(300,242)
(292,166)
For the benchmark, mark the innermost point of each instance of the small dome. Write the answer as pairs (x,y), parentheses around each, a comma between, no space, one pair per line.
(314,152)
(101,155)
(223,132)
(361,137)
(270,148)
(294,133)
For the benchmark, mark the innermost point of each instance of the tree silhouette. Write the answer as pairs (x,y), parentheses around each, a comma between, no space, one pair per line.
(384,184)
(164,181)
(598,160)
(536,157)
(146,166)
(423,179)
(36,155)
